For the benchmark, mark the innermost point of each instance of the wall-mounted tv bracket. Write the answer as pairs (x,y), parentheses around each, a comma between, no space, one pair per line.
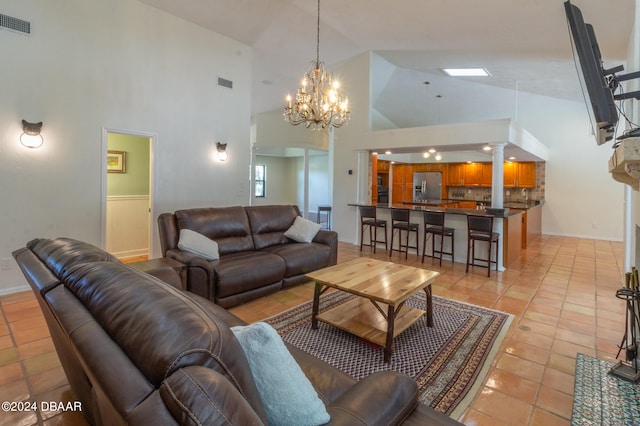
(614,81)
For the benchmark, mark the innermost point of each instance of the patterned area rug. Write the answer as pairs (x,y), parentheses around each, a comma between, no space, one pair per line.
(446,360)
(602,399)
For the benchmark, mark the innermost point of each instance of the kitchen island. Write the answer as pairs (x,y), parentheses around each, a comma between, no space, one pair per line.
(508,222)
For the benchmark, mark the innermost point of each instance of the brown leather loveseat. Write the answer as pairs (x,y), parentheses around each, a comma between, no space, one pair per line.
(256,258)
(138,351)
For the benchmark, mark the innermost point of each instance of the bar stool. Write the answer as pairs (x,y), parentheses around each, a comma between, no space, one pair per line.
(480,228)
(327,210)
(434,225)
(400,222)
(369,218)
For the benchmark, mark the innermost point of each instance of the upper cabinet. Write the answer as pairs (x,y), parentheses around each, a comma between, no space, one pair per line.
(486,174)
(455,174)
(383,166)
(527,175)
(468,174)
(472,174)
(520,175)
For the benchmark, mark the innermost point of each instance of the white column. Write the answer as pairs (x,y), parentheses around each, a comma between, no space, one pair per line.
(497,167)
(363,180)
(306,184)
(629,229)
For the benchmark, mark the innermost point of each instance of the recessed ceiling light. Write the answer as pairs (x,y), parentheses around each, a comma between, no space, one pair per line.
(512,158)
(486,148)
(466,72)
(432,150)
(387,152)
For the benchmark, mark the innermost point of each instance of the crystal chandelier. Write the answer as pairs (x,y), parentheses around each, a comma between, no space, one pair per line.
(318,102)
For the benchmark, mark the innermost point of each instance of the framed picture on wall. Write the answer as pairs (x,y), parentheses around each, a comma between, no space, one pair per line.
(116,161)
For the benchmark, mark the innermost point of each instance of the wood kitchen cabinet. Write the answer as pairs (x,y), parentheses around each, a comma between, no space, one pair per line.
(486,174)
(509,172)
(519,175)
(402,182)
(383,166)
(527,175)
(455,174)
(472,174)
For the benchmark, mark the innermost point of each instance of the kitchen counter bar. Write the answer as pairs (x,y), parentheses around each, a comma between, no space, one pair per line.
(420,206)
(507,222)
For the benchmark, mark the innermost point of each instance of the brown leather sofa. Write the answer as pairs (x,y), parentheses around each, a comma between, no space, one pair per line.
(138,351)
(255,257)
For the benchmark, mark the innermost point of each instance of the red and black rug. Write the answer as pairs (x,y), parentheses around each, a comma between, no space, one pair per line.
(446,360)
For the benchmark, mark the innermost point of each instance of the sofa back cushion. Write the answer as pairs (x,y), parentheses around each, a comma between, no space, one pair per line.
(227,226)
(158,328)
(269,223)
(62,254)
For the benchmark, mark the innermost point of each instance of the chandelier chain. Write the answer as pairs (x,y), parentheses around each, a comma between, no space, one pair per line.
(318,37)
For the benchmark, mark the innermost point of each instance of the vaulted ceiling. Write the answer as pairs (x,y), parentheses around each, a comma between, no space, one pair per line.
(524,44)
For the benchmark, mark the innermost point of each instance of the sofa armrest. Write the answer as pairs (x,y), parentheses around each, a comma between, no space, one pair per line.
(383,398)
(200,395)
(328,238)
(200,275)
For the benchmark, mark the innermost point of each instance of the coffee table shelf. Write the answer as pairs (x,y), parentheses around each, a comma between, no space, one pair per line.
(360,317)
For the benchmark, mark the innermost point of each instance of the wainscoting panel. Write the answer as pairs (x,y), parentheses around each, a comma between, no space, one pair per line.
(128,225)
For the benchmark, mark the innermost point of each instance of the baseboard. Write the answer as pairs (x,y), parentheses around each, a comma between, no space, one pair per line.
(583,236)
(11,290)
(131,253)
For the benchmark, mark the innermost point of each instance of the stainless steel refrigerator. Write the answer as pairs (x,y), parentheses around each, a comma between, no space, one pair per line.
(427,186)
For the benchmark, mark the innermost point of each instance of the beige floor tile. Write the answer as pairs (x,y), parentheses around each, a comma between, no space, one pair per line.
(561,290)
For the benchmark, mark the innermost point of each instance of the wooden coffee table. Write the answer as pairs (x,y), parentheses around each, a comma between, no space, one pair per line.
(378,284)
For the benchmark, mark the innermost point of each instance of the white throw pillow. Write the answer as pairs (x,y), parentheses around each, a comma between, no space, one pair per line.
(287,394)
(196,243)
(302,230)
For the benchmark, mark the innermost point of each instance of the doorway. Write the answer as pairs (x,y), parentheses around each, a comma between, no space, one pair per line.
(127,193)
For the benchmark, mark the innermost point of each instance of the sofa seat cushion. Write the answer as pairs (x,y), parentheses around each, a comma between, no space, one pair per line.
(301,258)
(245,271)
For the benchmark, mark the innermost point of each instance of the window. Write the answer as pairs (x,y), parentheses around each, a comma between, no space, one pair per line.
(261,181)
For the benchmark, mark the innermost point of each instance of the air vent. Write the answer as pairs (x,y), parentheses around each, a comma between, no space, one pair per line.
(15,24)
(225,83)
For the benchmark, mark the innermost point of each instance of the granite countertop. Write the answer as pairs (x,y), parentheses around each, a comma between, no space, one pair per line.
(503,213)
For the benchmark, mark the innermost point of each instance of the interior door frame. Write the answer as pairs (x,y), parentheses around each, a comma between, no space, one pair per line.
(152,179)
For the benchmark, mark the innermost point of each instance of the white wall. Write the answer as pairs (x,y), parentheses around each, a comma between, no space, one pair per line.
(119,64)
(581,198)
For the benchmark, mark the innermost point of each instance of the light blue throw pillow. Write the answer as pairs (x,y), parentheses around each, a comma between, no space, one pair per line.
(287,395)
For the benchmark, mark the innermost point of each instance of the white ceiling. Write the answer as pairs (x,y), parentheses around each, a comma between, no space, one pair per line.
(524,44)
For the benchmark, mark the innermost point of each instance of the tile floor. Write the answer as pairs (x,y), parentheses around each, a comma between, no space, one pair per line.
(561,291)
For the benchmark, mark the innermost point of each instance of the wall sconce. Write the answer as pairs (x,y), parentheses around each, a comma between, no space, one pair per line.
(223,155)
(31,137)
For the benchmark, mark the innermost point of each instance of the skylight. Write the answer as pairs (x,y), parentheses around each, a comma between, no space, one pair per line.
(466,72)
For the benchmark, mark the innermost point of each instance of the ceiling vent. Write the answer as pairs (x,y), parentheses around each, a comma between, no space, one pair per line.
(15,24)
(225,83)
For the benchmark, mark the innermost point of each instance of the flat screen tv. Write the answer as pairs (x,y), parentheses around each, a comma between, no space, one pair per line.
(594,79)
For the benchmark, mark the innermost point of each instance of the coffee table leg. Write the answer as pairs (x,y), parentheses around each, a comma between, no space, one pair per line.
(388,347)
(316,306)
(427,291)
